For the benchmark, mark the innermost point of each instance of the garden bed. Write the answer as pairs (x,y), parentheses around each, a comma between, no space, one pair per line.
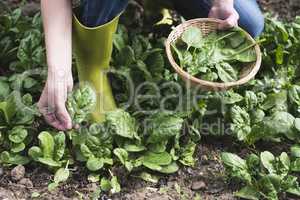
(208,178)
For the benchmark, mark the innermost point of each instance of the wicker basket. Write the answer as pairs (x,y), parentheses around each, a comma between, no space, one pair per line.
(207,25)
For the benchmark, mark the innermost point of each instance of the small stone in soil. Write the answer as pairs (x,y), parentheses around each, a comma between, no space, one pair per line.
(1,171)
(198,185)
(26,182)
(6,194)
(17,173)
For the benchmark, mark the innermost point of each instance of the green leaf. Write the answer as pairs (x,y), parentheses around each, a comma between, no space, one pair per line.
(81,103)
(14,159)
(16,148)
(245,56)
(121,154)
(49,162)
(29,82)
(17,134)
(94,178)
(257,115)
(248,192)
(116,188)
(61,175)
(295,165)
(241,125)
(47,144)
(52,186)
(129,165)
(169,169)
(152,166)
(253,162)
(280,123)
(35,152)
(279,54)
(237,39)
(268,159)
(121,123)
(294,191)
(267,188)
(155,63)
(233,160)
(295,151)
(281,28)
(192,37)
(163,158)
(158,147)
(105,184)
(294,94)
(186,155)
(94,164)
(251,100)
(148,177)
(226,72)
(4,90)
(8,108)
(60,146)
(230,97)
(178,53)
(126,56)
(86,152)
(163,126)
(275,100)
(285,160)
(120,39)
(297,124)
(134,147)
(35,195)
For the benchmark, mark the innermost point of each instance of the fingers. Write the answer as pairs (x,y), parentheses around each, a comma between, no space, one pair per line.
(58,119)
(54,111)
(50,117)
(63,117)
(70,85)
(230,22)
(228,16)
(62,114)
(212,13)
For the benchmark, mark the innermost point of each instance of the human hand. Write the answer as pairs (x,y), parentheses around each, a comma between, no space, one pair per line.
(53,99)
(225,11)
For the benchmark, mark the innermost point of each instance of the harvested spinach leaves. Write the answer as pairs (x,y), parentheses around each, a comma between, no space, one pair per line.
(219,56)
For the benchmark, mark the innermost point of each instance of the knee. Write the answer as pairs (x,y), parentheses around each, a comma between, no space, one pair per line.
(256,27)
(254,24)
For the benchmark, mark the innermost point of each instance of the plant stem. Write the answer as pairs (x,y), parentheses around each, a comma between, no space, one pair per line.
(248,47)
(67,165)
(225,36)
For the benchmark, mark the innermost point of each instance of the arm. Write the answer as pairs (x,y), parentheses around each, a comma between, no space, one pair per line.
(224,10)
(57,21)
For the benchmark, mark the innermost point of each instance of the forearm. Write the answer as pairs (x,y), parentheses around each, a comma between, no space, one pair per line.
(220,3)
(57,22)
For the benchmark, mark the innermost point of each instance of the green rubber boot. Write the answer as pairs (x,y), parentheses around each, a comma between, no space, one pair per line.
(92,48)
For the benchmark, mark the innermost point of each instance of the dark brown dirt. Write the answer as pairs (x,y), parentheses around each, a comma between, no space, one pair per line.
(285,9)
(208,171)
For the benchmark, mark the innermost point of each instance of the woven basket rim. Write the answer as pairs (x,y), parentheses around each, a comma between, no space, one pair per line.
(204,83)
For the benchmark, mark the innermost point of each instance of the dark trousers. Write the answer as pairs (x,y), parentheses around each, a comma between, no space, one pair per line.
(98,12)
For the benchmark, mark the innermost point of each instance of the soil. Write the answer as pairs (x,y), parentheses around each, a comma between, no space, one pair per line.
(206,181)
(285,9)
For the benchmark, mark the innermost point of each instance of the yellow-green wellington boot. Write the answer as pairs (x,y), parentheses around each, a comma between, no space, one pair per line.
(92,48)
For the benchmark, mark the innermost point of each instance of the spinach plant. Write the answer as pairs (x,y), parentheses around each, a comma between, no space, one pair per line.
(264,176)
